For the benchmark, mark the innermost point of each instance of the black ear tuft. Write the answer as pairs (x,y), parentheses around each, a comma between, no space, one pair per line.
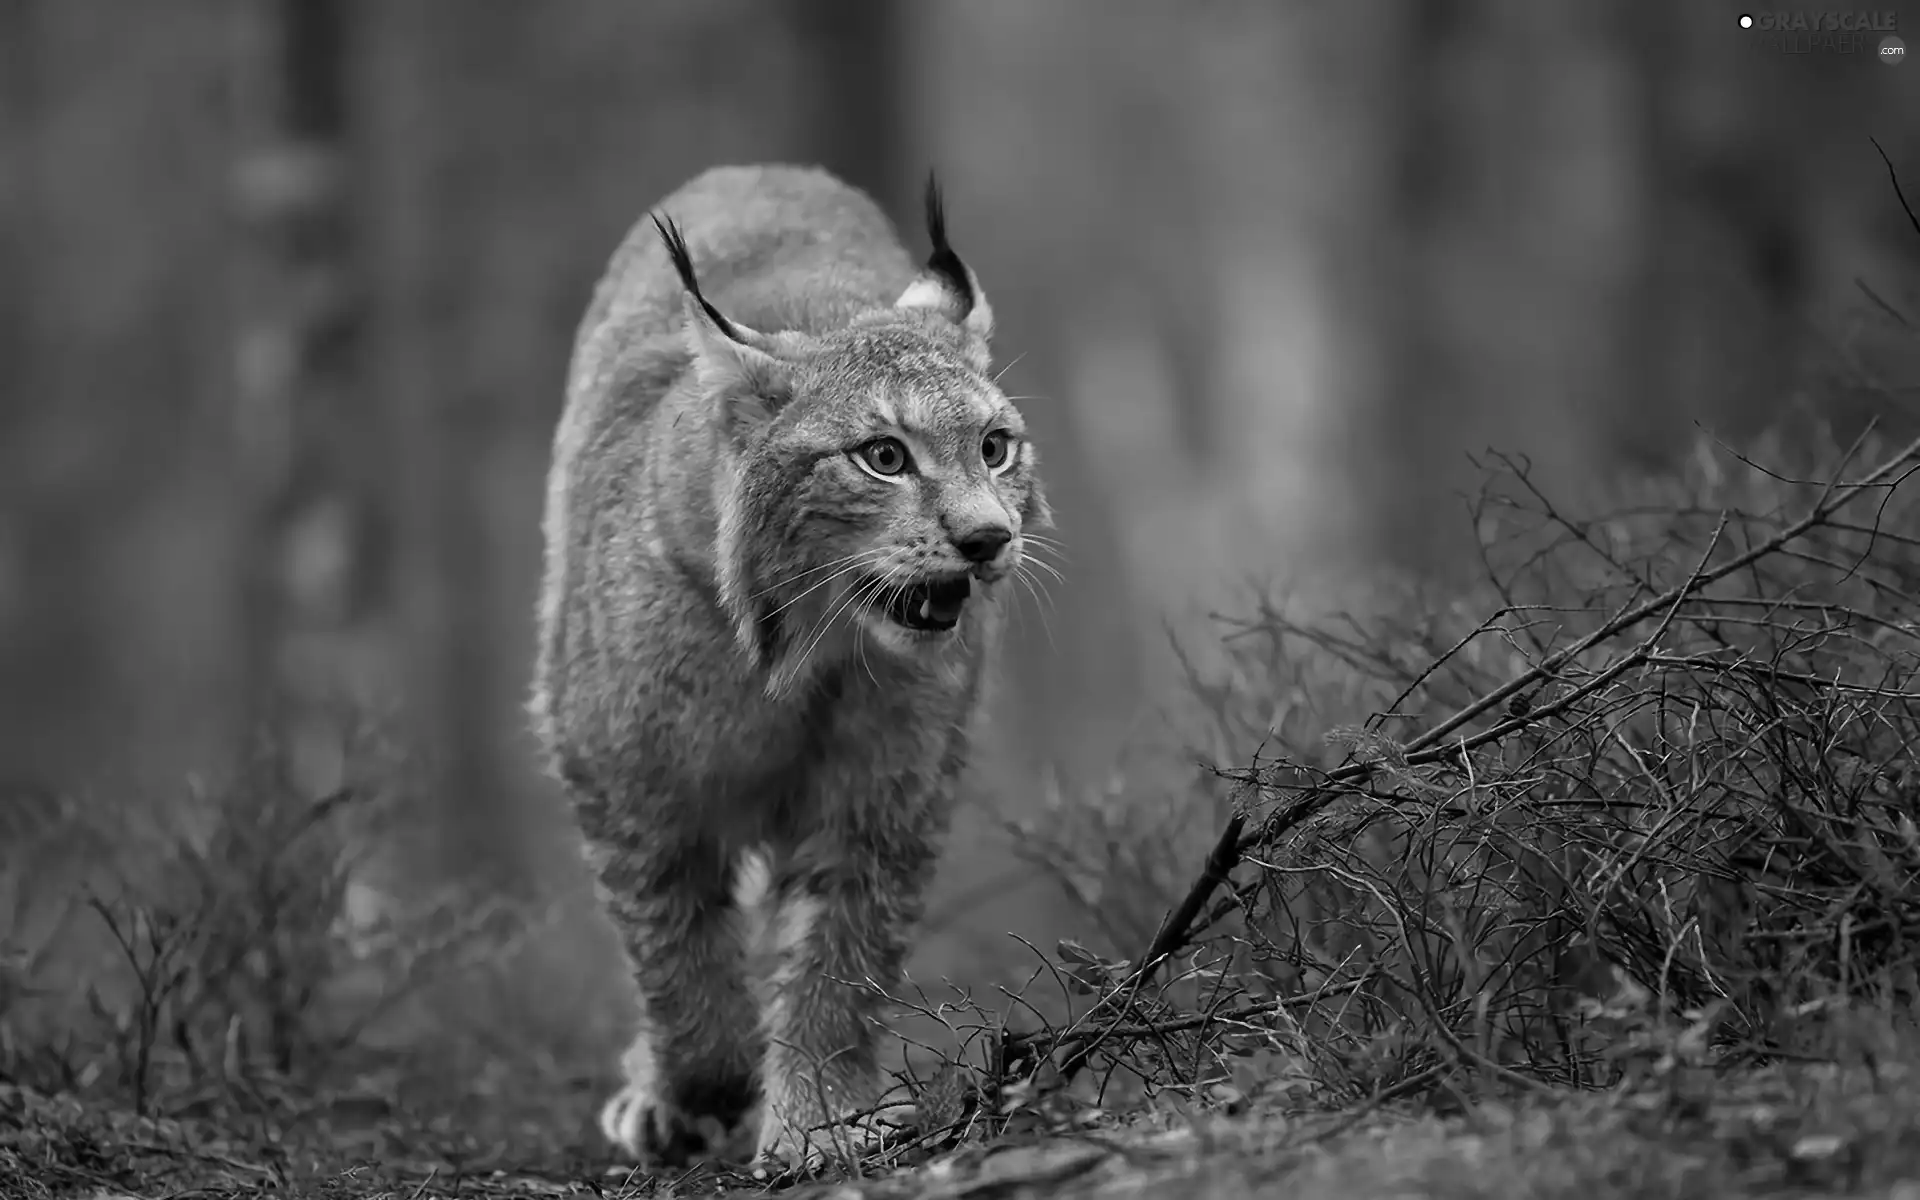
(683,264)
(943,264)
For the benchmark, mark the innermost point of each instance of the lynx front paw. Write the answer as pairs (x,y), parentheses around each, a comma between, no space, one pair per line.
(656,1132)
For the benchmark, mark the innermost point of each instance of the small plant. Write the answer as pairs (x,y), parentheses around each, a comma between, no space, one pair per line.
(228,971)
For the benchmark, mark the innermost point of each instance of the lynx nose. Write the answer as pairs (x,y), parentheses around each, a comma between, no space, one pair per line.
(982,543)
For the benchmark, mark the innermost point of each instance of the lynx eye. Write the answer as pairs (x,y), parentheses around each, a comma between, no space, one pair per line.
(883,456)
(996,449)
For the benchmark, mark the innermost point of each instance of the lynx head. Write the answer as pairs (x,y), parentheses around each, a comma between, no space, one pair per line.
(871,482)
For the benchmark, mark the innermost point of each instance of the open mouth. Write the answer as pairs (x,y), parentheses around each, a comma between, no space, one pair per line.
(929,606)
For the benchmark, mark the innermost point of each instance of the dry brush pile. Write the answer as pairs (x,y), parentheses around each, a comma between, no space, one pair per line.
(1638,792)
(1645,795)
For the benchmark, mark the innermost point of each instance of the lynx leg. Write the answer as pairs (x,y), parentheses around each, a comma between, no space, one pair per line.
(842,915)
(691,1070)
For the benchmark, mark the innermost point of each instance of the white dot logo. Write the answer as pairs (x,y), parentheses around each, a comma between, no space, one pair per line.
(1893,51)
(1746,22)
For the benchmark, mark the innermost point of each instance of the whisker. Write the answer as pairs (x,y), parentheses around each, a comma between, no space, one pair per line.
(857,595)
(1034,560)
(797,576)
(1049,545)
(1041,595)
(816,632)
(848,603)
(959,634)
(889,592)
(866,665)
(1041,547)
(1041,563)
(849,567)
(1042,605)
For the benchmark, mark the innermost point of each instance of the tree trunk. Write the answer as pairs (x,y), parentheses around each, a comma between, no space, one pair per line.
(306,443)
(432,125)
(48,661)
(854,52)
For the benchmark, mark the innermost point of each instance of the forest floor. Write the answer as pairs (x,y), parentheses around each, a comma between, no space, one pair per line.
(1784,1131)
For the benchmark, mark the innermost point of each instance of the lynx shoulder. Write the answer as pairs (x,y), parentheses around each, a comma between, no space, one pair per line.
(787,502)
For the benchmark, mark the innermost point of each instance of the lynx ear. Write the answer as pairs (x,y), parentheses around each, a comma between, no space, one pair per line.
(737,366)
(947,286)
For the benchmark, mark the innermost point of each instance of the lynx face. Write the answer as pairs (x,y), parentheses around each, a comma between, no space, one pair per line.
(899,483)
(917,488)
(873,479)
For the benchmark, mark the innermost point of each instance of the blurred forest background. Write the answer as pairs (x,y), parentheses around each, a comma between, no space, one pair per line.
(287,289)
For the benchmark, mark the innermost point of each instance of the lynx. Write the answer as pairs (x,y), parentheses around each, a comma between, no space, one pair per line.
(786,502)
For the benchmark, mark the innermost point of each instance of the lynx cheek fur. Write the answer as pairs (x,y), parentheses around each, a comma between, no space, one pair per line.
(785,503)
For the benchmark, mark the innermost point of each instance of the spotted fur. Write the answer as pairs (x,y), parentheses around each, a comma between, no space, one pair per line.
(730,683)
